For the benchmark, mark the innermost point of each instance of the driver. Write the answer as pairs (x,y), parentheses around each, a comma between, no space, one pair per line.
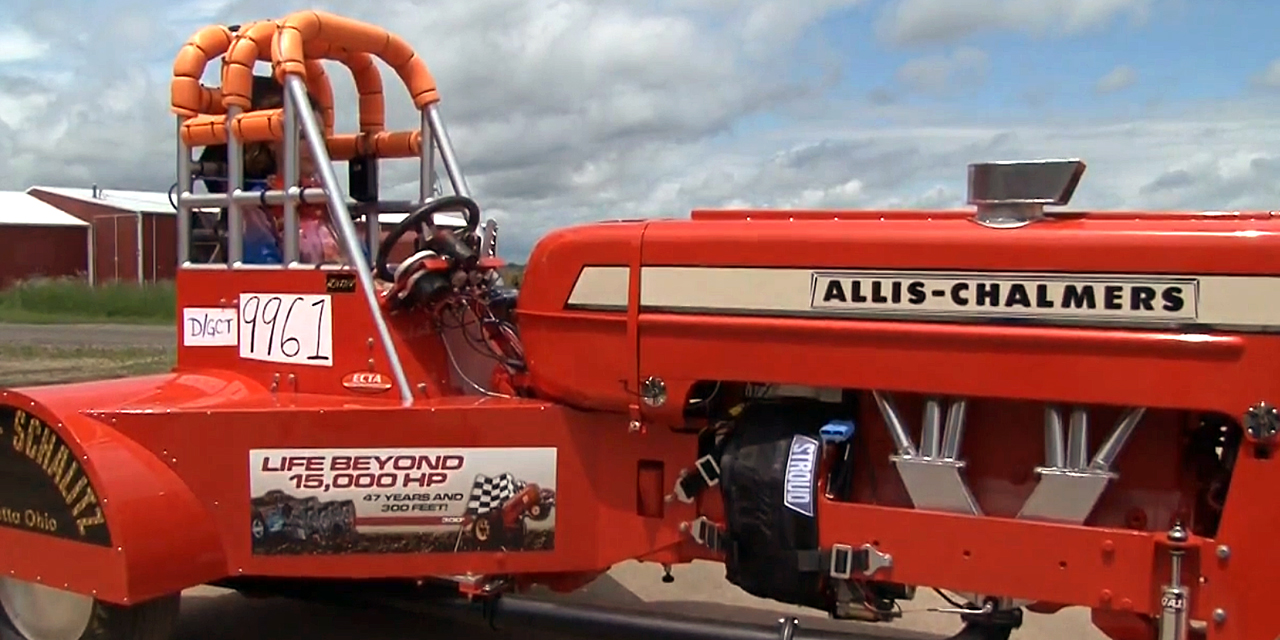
(264,225)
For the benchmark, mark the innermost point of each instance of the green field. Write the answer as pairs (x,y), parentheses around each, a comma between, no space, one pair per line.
(74,301)
(27,360)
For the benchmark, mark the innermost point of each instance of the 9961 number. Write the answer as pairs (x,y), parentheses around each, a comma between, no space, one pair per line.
(286,328)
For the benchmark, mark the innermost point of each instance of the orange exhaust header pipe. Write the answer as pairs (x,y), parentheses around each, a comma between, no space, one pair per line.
(187,97)
(297,44)
(288,52)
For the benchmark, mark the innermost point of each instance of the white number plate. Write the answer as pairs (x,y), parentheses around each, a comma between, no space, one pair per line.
(287,328)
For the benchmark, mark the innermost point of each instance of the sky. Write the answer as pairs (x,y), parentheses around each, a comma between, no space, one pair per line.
(566,112)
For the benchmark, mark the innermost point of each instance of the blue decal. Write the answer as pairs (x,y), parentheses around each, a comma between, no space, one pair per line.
(837,432)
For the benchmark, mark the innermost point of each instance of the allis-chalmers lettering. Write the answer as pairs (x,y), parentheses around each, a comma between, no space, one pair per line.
(1052,297)
(44,488)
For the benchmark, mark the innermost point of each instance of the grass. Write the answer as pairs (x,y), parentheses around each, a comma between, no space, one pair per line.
(512,275)
(70,300)
(26,364)
(74,301)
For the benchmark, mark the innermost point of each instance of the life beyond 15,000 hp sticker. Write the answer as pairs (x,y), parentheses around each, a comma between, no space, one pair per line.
(348,501)
(43,488)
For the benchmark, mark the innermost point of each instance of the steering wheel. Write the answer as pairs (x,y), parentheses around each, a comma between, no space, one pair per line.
(443,241)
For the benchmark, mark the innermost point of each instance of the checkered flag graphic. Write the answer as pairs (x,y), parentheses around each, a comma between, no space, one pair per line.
(491,492)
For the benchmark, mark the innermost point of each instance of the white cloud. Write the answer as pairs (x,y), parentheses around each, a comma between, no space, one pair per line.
(565,111)
(556,106)
(965,68)
(1118,79)
(18,45)
(773,22)
(911,22)
(1269,78)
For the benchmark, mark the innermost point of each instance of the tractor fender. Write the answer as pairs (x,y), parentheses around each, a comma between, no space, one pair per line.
(86,509)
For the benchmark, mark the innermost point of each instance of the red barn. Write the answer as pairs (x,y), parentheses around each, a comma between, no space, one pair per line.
(134,233)
(39,240)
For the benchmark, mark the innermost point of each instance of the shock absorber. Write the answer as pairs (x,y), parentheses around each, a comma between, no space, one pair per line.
(1173,599)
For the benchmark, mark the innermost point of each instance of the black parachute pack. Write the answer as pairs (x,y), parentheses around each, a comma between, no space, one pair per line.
(769,466)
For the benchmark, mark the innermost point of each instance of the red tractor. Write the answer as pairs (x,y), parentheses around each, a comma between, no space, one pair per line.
(1020,407)
(505,526)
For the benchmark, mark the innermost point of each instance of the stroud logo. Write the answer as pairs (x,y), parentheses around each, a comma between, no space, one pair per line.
(802,468)
(1008,295)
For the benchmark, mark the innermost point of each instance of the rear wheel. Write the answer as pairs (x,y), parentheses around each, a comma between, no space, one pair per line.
(38,612)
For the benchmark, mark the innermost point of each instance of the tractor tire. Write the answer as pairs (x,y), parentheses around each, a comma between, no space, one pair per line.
(258,526)
(488,532)
(30,611)
(770,536)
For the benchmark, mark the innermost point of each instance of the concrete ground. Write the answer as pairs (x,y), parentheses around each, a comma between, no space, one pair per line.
(699,589)
(703,582)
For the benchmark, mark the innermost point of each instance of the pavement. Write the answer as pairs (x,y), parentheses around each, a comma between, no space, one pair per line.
(699,589)
(88,335)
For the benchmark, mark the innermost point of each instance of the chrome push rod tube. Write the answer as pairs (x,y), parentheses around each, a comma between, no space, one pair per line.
(277,197)
(931,431)
(1110,448)
(297,92)
(269,197)
(447,154)
(184,211)
(893,421)
(427,161)
(1055,447)
(235,186)
(953,432)
(1078,438)
(291,180)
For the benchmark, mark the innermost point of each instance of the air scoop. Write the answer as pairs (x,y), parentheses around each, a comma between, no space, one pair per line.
(1014,194)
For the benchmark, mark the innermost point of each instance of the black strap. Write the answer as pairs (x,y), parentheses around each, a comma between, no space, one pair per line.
(710,535)
(706,470)
(840,562)
(813,561)
(705,474)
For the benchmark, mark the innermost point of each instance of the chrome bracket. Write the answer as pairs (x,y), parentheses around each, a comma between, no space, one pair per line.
(1070,483)
(932,474)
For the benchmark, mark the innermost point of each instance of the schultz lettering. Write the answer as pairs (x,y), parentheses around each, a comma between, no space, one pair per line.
(47,489)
